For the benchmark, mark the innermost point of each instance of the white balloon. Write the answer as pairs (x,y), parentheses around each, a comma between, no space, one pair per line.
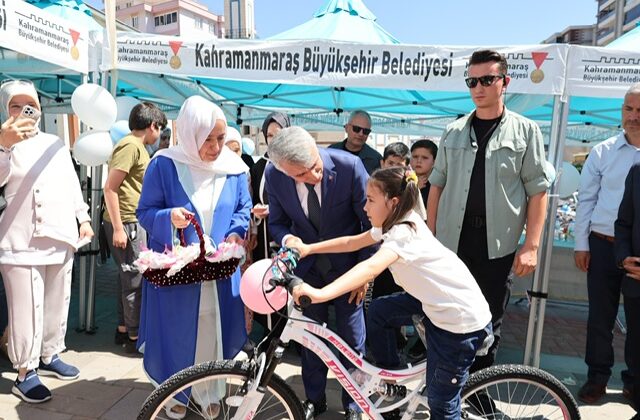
(125,104)
(93,148)
(94,105)
(569,180)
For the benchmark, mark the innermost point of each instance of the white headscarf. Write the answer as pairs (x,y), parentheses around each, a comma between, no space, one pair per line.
(195,122)
(15,88)
(233,135)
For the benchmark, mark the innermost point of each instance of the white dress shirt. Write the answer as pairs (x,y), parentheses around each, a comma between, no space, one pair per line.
(302,191)
(602,187)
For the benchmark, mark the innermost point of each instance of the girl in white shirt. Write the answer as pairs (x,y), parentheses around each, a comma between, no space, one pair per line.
(436,283)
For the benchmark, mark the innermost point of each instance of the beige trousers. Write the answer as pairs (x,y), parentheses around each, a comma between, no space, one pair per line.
(38,300)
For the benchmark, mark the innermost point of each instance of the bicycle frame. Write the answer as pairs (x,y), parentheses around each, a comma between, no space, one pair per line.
(311,334)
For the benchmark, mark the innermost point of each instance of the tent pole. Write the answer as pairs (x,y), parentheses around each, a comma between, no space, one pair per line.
(82,269)
(96,182)
(540,286)
(96,195)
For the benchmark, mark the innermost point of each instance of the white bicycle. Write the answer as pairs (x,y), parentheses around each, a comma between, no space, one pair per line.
(252,389)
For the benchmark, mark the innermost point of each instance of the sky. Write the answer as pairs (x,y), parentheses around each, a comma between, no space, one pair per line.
(430,22)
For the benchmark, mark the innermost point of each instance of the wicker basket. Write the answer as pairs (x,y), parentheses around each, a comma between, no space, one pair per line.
(196,271)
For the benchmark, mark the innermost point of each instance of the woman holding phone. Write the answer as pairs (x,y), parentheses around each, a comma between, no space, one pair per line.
(38,235)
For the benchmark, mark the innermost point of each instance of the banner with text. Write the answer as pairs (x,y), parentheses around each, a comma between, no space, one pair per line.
(601,72)
(533,69)
(36,33)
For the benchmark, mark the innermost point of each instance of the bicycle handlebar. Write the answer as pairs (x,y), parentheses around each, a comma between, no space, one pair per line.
(288,257)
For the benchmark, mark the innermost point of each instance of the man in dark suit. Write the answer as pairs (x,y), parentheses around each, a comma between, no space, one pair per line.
(317,194)
(627,251)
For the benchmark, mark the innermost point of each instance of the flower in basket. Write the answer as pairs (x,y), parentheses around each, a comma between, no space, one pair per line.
(225,251)
(148,259)
(179,256)
(183,255)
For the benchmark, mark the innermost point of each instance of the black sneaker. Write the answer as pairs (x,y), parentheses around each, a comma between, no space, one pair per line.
(120,338)
(130,346)
(312,409)
(31,389)
(58,369)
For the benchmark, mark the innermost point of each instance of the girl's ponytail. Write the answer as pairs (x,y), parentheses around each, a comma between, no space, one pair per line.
(402,183)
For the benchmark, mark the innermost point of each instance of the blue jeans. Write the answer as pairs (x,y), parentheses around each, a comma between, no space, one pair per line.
(449,355)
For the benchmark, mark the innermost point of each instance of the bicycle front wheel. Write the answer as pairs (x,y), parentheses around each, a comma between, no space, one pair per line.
(517,392)
(223,384)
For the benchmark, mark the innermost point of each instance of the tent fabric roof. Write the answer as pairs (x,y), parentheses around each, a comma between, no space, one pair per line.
(353,7)
(73,10)
(341,20)
(628,41)
(396,110)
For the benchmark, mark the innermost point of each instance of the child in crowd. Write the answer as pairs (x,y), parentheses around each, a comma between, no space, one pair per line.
(423,157)
(395,154)
(435,281)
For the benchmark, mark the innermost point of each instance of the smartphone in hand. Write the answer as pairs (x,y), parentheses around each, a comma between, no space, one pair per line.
(30,112)
(33,114)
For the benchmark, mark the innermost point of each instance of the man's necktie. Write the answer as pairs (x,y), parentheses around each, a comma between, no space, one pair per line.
(313,207)
(323,263)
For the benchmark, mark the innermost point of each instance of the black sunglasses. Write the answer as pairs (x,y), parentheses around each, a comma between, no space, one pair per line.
(485,81)
(356,129)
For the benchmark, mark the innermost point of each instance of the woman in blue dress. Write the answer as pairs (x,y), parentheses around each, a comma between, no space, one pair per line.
(188,324)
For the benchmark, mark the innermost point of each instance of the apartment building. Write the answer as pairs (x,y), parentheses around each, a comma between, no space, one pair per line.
(170,17)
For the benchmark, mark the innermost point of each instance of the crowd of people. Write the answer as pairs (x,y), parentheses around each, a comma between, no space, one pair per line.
(421,230)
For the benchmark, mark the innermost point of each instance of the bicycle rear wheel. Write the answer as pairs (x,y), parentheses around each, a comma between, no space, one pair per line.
(517,392)
(197,385)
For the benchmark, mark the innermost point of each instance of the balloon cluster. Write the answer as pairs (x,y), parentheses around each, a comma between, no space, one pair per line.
(107,117)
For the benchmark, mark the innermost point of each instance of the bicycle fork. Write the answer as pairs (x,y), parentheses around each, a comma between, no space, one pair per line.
(266,365)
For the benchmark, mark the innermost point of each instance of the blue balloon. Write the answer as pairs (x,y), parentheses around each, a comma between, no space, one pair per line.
(248,146)
(118,130)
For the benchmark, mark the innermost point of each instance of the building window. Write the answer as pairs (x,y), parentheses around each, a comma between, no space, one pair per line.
(212,27)
(134,21)
(117,7)
(632,14)
(129,4)
(167,19)
(199,23)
